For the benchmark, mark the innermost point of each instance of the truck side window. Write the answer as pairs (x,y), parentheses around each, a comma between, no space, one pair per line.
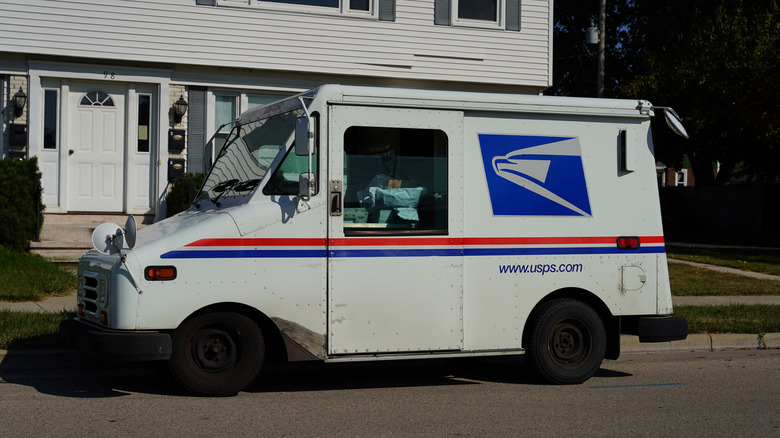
(395,180)
(284,180)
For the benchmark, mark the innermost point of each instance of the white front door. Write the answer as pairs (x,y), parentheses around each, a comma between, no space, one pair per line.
(96,147)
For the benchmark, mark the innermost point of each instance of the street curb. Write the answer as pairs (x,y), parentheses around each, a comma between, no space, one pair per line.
(702,342)
(32,360)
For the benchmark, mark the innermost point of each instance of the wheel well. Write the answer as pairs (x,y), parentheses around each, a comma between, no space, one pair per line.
(611,323)
(275,351)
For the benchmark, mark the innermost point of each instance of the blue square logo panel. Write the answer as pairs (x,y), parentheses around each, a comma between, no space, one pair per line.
(535,175)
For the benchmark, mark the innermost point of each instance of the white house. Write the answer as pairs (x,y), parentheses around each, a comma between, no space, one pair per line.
(102,76)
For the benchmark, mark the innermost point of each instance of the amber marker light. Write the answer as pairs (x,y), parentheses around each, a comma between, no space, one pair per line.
(160,273)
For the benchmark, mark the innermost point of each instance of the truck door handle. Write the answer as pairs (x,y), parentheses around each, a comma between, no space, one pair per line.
(334,197)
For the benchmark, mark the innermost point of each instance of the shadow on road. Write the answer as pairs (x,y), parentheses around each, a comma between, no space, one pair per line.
(67,376)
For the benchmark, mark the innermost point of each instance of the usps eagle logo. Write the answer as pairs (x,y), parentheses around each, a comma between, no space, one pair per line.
(535,175)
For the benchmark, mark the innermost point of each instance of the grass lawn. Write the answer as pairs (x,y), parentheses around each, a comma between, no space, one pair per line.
(689,280)
(735,318)
(28,277)
(29,330)
(757,260)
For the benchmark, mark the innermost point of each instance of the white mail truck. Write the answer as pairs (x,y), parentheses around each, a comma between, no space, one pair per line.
(362,224)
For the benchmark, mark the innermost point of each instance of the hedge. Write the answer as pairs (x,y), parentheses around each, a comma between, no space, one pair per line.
(182,192)
(20,196)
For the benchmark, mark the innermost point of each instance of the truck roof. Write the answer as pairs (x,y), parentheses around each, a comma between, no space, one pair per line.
(481,101)
(468,101)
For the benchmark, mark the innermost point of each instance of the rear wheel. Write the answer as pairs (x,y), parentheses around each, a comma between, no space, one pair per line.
(217,354)
(567,341)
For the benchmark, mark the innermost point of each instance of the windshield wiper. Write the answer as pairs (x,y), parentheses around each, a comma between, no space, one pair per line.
(233,185)
(223,188)
(246,185)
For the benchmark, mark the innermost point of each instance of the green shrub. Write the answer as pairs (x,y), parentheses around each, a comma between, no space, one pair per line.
(182,192)
(20,195)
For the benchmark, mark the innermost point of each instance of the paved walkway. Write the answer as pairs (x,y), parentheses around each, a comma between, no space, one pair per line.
(53,304)
(56,304)
(629,344)
(725,300)
(68,302)
(727,270)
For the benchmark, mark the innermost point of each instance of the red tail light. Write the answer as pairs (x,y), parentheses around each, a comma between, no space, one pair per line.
(628,242)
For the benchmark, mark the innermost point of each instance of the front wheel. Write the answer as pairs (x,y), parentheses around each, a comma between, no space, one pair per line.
(567,341)
(217,354)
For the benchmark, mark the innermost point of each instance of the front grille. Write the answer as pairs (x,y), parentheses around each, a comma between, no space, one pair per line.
(92,293)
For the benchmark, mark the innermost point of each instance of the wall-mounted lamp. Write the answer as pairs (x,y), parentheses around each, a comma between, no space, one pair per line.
(179,109)
(20,100)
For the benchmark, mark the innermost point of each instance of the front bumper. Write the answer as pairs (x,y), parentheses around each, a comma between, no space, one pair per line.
(119,345)
(656,328)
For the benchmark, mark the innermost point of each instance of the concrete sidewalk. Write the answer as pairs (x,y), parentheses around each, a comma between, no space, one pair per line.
(726,270)
(68,302)
(38,360)
(51,304)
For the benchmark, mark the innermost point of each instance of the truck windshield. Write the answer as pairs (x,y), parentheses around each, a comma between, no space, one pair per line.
(249,152)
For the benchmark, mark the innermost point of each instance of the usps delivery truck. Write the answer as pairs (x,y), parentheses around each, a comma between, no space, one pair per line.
(361,224)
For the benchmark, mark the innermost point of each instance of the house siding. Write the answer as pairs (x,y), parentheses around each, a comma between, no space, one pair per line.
(178,32)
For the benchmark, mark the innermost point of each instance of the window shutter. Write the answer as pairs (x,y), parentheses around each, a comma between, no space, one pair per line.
(386,10)
(196,124)
(441,12)
(513,15)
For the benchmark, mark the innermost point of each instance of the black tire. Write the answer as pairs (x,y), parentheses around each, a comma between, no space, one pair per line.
(217,354)
(567,342)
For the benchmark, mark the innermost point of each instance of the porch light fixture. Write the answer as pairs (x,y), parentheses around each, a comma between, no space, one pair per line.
(20,100)
(179,109)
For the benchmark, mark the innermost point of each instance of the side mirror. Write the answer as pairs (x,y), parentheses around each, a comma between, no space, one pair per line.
(675,123)
(303,136)
(305,184)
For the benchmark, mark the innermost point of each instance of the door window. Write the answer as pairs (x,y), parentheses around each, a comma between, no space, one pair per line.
(50,106)
(395,180)
(144,121)
(96,98)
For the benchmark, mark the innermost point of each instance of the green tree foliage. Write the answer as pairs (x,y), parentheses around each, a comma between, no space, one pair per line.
(20,183)
(715,61)
(575,63)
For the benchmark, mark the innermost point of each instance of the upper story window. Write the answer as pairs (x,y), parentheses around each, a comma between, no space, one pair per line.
(382,10)
(481,10)
(350,5)
(498,14)
(360,7)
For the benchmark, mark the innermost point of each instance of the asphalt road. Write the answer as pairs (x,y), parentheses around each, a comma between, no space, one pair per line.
(721,393)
